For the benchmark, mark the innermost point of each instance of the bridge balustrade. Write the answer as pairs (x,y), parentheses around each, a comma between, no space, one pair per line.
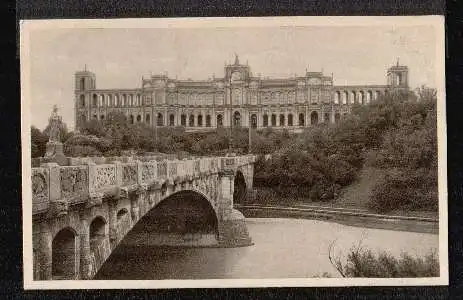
(181,172)
(129,174)
(197,166)
(40,189)
(172,168)
(149,172)
(73,184)
(102,177)
(189,167)
(162,169)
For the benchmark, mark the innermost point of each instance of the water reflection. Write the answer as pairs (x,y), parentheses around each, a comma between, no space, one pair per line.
(284,248)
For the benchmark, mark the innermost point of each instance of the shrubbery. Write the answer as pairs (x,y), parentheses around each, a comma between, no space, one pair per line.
(395,133)
(298,174)
(38,142)
(362,262)
(86,145)
(409,155)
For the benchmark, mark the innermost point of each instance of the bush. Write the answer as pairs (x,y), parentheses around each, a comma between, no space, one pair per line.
(416,190)
(298,174)
(364,263)
(38,142)
(87,145)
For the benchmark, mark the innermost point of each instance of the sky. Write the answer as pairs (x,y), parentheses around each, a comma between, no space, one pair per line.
(121,56)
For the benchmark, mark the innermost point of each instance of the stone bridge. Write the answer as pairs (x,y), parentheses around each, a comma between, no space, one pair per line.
(83,211)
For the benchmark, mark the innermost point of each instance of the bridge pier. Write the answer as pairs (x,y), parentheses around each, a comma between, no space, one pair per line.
(85,255)
(112,207)
(232,228)
(44,248)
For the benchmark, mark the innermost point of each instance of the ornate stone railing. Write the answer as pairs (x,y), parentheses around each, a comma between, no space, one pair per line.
(57,187)
(74,183)
(40,189)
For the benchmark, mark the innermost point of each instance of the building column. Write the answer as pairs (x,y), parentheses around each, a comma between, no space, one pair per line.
(247,122)
(213,118)
(153,117)
(112,207)
(204,114)
(333,111)
(44,252)
(307,117)
(85,256)
(166,119)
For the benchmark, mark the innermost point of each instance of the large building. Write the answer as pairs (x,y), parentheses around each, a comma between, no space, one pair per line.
(247,100)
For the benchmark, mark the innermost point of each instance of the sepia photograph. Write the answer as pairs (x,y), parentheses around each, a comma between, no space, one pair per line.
(233,152)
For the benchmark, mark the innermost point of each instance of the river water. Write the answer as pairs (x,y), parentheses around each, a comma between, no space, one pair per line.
(283,248)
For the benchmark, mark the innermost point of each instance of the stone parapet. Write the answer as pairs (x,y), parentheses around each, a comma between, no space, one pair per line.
(83,177)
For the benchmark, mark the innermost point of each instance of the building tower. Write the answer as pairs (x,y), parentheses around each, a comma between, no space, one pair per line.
(397,77)
(85,83)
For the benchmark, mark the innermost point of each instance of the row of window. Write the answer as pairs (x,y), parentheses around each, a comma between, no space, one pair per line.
(110,100)
(266,119)
(171,121)
(314,119)
(361,97)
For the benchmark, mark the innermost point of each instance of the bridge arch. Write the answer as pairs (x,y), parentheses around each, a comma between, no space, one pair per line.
(122,213)
(180,215)
(98,233)
(64,254)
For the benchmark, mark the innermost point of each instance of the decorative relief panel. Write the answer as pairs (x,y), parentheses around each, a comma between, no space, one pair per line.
(74,182)
(162,169)
(104,176)
(40,188)
(229,161)
(129,174)
(173,169)
(196,166)
(147,172)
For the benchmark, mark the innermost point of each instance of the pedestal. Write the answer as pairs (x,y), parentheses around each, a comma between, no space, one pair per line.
(54,153)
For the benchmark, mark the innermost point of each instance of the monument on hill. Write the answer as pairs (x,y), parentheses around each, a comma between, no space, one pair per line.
(54,150)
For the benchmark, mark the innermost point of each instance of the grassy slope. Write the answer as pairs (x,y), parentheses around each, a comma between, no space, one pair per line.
(357,195)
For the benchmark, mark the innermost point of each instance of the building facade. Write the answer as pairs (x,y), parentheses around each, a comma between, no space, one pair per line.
(237,99)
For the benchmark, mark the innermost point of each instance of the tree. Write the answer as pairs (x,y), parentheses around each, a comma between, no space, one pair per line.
(38,142)
(426,93)
(93,127)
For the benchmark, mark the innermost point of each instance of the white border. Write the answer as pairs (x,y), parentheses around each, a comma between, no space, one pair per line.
(27,27)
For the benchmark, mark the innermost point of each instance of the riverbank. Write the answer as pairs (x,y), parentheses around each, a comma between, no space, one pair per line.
(350,217)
